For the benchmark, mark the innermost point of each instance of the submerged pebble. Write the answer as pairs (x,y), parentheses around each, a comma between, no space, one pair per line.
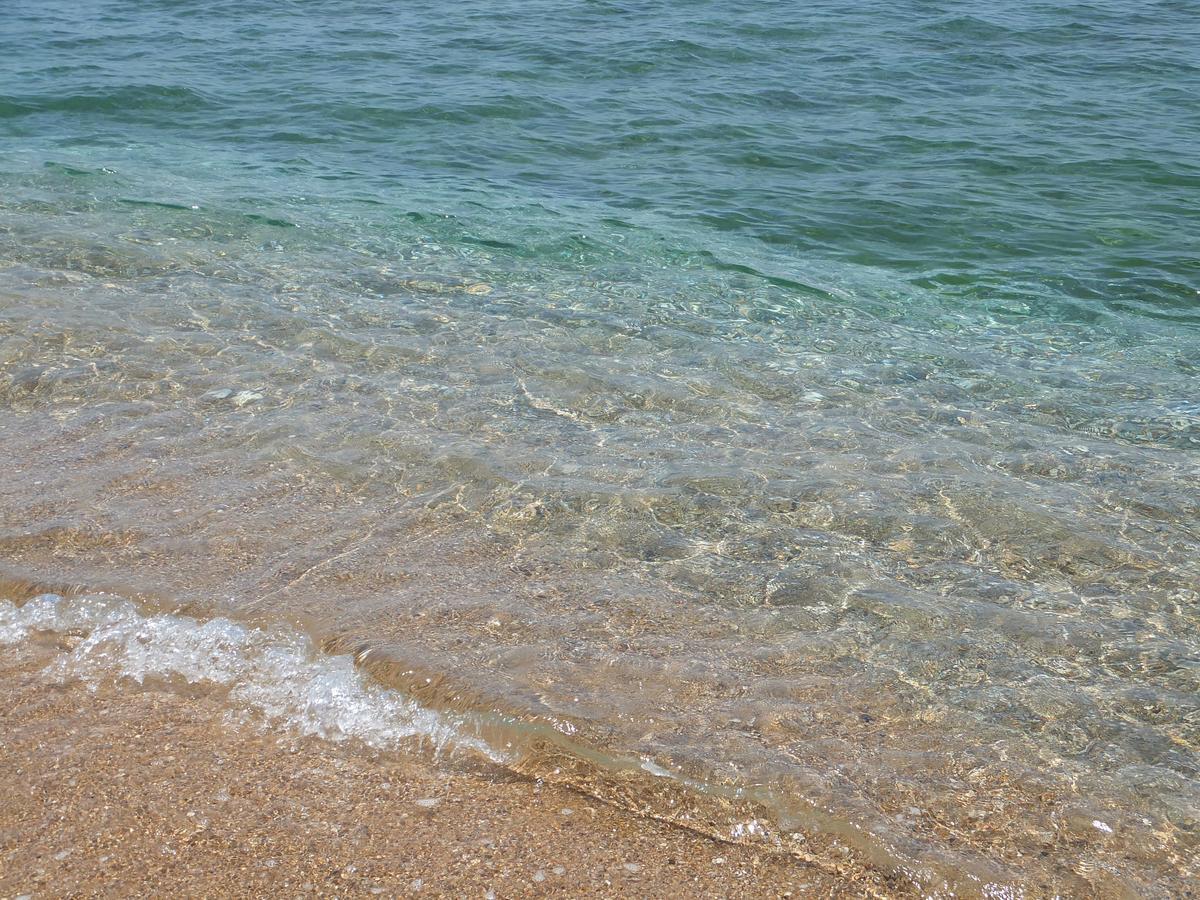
(241,398)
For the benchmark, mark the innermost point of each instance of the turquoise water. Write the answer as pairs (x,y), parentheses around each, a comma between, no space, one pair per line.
(1021,158)
(801,399)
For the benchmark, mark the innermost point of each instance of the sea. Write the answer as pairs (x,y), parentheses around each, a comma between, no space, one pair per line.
(779,418)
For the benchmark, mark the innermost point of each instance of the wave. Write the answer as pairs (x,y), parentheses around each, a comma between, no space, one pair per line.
(135,101)
(276,674)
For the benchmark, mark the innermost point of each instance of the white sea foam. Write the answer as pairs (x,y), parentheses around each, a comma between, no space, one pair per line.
(278,674)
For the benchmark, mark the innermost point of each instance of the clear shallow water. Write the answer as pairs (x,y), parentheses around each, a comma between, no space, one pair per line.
(803,401)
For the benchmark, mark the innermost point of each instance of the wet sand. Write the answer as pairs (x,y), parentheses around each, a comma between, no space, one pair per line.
(151,791)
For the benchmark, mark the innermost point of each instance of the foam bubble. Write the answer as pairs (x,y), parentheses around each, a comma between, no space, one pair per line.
(278,674)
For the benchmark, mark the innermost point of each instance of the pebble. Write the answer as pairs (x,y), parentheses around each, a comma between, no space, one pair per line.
(559,870)
(241,398)
(632,867)
(219,394)
(539,876)
(417,884)
(428,802)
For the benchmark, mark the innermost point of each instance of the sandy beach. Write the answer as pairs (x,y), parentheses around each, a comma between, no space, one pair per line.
(153,792)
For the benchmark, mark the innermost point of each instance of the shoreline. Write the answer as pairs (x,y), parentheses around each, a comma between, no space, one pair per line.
(149,790)
(887,708)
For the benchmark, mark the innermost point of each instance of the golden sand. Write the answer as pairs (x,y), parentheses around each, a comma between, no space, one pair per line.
(130,791)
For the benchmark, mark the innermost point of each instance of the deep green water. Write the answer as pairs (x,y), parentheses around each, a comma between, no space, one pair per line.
(827,373)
